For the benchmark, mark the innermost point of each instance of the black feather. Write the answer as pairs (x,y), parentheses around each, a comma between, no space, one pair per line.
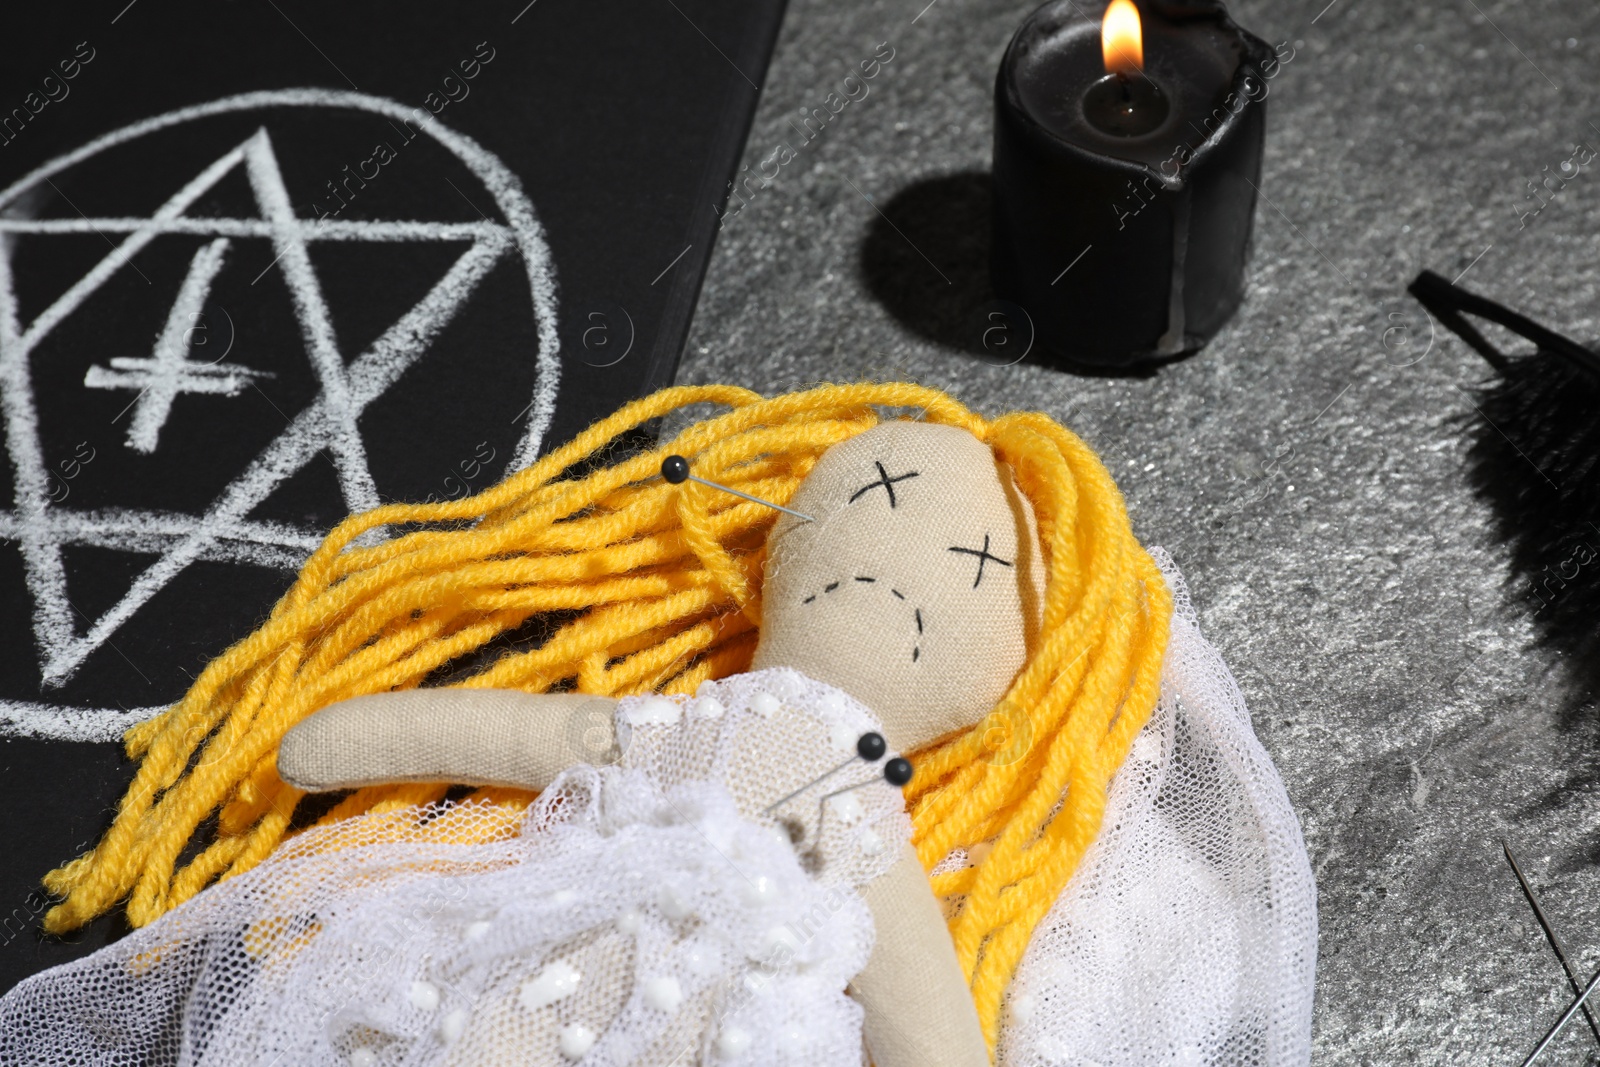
(1535,459)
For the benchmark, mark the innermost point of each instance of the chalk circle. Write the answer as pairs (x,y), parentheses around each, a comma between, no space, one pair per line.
(24,718)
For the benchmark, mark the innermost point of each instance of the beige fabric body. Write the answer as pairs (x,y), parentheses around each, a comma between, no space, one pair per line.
(915,1014)
(919,644)
(465,736)
(869,598)
(918,1011)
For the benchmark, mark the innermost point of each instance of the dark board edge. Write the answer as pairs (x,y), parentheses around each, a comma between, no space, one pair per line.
(751,59)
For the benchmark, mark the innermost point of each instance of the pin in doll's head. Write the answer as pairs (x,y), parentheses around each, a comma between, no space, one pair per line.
(918,587)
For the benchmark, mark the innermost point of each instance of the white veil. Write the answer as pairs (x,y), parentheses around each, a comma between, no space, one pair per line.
(1186,938)
(1189,934)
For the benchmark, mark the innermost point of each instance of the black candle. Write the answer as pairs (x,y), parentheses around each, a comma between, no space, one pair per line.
(1125,183)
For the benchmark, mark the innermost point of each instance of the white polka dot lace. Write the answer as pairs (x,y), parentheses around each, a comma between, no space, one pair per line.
(655,912)
(646,913)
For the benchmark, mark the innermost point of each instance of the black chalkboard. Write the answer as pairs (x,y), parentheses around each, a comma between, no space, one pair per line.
(269,261)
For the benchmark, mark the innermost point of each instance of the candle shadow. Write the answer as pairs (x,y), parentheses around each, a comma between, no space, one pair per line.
(925,258)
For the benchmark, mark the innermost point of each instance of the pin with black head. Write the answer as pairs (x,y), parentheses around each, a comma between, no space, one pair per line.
(675,471)
(870,747)
(897,772)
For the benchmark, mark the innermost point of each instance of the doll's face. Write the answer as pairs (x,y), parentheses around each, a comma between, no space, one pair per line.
(917,589)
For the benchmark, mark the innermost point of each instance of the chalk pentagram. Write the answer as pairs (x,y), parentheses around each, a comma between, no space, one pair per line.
(41,528)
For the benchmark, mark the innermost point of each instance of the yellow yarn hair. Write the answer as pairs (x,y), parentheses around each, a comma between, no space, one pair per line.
(667,583)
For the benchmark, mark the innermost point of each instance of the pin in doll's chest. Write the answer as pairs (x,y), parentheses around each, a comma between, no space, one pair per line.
(800,757)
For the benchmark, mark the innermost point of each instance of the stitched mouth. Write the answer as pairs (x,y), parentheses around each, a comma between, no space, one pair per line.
(916,612)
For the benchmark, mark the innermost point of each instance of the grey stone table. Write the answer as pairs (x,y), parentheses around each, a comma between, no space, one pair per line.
(1307,469)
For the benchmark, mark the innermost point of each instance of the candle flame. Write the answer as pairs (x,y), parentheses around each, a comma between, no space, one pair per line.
(1122,38)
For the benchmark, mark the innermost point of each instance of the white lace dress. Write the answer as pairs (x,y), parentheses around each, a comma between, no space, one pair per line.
(646,913)
(1188,935)
(649,913)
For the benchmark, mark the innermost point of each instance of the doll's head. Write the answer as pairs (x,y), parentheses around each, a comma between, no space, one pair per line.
(919,586)
(580,573)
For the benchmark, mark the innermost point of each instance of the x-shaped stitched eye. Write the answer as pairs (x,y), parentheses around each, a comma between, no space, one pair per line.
(984,556)
(883,482)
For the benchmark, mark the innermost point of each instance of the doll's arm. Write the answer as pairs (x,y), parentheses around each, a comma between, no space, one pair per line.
(919,1012)
(464,736)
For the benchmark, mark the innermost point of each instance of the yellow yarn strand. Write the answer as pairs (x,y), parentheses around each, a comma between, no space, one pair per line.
(666,584)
